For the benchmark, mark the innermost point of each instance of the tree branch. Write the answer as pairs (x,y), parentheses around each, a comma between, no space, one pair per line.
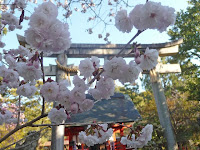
(22,126)
(43,78)
(18,117)
(23,138)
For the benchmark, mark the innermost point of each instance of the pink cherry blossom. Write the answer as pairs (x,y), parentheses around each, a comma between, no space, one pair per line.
(49,91)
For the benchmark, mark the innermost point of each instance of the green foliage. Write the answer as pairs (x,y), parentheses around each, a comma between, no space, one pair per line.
(145,104)
(187,27)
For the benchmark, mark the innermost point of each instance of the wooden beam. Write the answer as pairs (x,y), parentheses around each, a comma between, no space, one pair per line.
(102,50)
(161,68)
(168,68)
(50,70)
(169,51)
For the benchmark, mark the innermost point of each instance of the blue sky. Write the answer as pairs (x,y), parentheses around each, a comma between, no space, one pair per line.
(79,35)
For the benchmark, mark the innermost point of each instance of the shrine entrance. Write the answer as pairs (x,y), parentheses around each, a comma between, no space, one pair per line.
(118,109)
(72,138)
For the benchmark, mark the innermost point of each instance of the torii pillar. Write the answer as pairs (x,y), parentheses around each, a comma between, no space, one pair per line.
(161,103)
(57,137)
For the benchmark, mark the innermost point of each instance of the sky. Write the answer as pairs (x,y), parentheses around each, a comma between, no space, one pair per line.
(78,26)
(150,36)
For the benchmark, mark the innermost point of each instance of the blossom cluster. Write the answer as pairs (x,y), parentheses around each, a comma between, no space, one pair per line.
(73,101)
(117,68)
(10,20)
(46,33)
(151,15)
(21,4)
(22,72)
(95,134)
(144,137)
(22,63)
(57,116)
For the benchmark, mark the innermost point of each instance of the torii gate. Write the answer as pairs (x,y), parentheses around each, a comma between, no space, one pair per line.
(110,50)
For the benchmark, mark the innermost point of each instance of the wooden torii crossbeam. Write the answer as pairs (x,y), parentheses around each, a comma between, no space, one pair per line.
(105,50)
(102,50)
(109,50)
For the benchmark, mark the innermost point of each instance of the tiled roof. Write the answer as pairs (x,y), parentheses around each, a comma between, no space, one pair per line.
(119,108)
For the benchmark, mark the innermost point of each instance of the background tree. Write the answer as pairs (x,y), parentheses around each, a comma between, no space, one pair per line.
(187,27)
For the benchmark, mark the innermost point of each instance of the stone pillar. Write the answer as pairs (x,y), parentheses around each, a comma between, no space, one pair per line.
(57,137)
(162,108)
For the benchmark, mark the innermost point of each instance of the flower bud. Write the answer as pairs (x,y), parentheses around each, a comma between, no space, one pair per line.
(138,60)
(74,108)
(137,53)
(11,27)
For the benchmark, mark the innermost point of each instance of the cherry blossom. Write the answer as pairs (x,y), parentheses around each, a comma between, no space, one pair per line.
(10,20)
(64,98)
(95,134)
(114,67)
(10,60)
(105,88)
(132,72)
(63,85)
(48,9)
(74,108)
(46,33)
(152,15)
(57,116)
(40,21)
(0,57)
(144,137)
(123,22)
(5,115)
(2,44)
(86,67)
(149,59)
(80,83)
(9,75)
(26,90)
(86,105)
(1,119)
(29,71)
(49,91)
(96,61)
